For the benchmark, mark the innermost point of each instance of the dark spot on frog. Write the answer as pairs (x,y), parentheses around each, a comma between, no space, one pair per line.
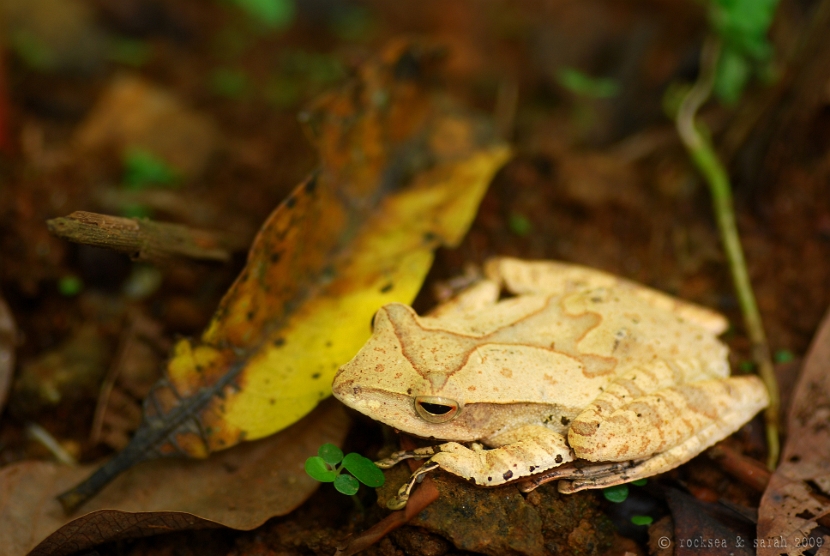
(357,390)
(221,441)
(379,368)
(250,315)
(507,475)
(565,421)
(532,468)
(311,184)
(489,479)
(596,299)
(429,237)
(272,401)
(639,415)
(328,344)
(199,368)
(275,257)
(387,288)
(290,202)
(315,376)
(558,458)
(279,342)
(409,391)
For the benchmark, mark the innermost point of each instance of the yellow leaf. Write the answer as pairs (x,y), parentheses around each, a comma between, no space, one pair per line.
(402,171)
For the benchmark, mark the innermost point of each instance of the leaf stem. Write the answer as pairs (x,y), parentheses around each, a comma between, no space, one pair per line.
(706,160)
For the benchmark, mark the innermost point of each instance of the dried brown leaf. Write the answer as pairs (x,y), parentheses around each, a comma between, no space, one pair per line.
(239,488)
(8,335)
(799,491)
(705,528)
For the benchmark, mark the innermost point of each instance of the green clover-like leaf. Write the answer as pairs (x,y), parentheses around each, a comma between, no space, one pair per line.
(346,484)
(616,494)
(364,469)
(317,469)
(330,453)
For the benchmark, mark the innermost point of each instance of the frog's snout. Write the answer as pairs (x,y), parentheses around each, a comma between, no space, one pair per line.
(436,409)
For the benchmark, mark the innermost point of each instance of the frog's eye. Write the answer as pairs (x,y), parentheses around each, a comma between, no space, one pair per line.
(436,409)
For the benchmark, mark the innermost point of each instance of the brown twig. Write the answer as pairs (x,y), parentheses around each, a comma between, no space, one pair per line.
(747,470)
(141,239)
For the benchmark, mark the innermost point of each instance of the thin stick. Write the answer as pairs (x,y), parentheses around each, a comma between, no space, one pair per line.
(143,240)
(703,154)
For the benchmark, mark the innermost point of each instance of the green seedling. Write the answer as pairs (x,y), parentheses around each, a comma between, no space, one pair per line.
(70,286)
(583,84)
(619,493)
(130,52)
(616,494)
(273,14)
(328,465)
(519,224)
(784,356)
(230,83)
(743,26)
(144,169)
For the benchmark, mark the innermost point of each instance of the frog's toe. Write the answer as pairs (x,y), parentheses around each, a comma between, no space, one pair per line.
(397,502)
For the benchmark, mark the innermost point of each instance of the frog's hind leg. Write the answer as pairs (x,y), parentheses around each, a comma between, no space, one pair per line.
(555,278)
(668,427)
(633,471)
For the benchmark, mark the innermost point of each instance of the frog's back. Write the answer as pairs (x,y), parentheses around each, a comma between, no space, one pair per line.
(558,347)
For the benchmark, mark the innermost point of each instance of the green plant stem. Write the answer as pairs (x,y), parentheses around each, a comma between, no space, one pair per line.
(706,160)
(358,505)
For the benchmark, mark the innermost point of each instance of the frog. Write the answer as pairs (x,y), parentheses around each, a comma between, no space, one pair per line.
(543,371)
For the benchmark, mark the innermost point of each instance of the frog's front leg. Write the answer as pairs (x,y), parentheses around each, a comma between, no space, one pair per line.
(665,428)
(518,453)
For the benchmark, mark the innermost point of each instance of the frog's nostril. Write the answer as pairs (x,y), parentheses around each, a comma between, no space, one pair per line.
(435,409)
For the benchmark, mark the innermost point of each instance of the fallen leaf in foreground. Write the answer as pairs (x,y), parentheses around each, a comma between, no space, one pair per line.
(8,335)
(402,172)
(706,528)
(798,496)
(239,488)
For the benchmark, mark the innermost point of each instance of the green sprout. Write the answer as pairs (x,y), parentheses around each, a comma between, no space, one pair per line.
(642,519)
(619,493)
(143,169)
(130,52)
(616,494)
(274,14)
(584,85)
(324,468)
(783,356)
(230,83)
(743,26)
(70,286)
(519,224)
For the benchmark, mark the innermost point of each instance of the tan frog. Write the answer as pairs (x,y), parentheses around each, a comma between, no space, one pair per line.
(578,366)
